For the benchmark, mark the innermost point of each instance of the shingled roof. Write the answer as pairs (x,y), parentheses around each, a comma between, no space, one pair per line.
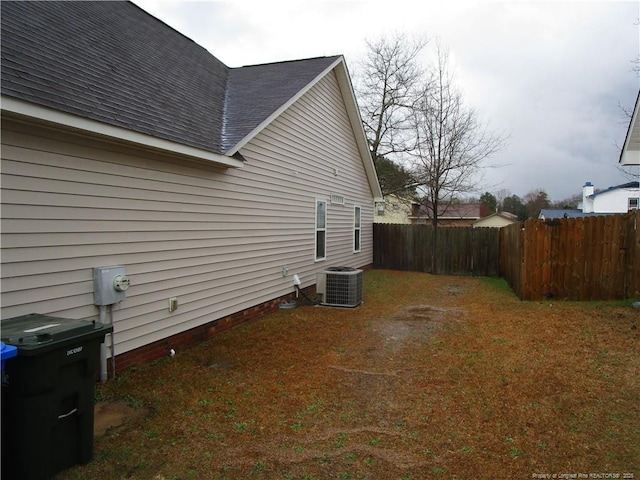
(114,63)
(256,92)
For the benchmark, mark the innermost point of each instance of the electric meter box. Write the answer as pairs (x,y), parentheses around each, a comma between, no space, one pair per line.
(109,285)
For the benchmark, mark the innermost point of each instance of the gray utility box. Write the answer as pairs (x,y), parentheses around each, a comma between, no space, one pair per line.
(109,285)
(48,395)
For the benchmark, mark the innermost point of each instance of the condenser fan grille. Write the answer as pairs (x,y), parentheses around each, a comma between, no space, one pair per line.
(343,287)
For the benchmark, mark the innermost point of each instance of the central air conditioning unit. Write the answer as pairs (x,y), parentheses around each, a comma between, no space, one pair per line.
(340,286)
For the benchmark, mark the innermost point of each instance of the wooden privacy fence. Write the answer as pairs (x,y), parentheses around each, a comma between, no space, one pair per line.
(445,250)
(591,258)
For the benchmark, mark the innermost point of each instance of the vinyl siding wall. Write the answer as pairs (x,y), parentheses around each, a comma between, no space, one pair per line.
(216,239)
(615,200)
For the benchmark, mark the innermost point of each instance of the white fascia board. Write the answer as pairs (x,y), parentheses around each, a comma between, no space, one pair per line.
(56,117)
(630,154)
(358,130)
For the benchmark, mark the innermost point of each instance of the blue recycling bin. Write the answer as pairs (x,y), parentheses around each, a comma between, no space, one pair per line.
(7,352)
(48,394)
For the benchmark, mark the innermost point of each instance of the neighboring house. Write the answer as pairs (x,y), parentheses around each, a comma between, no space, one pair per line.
(496,220)
(630,153)
(393,210)
(454,215)
(618,199)
(126,143)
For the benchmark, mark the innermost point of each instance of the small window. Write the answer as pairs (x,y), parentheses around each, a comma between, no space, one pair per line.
(356,229)
(633,203)
(321,230)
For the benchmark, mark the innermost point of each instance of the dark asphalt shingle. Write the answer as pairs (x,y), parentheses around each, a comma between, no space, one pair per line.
(114,63)
(255,92)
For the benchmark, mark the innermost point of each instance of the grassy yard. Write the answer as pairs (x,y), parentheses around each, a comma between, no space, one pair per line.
(433,377)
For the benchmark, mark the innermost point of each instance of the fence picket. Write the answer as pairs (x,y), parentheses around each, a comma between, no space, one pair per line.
(591,258)
(460,251)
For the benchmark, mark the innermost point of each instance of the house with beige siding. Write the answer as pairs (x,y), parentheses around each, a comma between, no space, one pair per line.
(393,209)
(124,143)
(495,220)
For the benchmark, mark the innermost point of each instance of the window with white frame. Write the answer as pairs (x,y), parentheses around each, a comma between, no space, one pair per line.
(633,203)
(321,229)
(356,228)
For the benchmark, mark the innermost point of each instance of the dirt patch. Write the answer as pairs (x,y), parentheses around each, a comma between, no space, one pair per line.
(109,415)
(415,324)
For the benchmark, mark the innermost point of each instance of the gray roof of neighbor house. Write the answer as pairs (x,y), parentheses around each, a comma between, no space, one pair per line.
(454,211)
(114,63)
(616,187)
(551,213)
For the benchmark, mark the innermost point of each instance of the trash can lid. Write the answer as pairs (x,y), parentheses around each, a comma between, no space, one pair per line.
(35,330)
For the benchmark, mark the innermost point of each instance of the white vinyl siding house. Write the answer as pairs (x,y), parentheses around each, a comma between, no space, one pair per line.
(617,199)
(215,238)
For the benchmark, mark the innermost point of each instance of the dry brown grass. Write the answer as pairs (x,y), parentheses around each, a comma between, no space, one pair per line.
(433,377)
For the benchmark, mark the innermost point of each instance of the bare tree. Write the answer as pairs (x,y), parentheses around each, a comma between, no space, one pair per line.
(500,196)
(451,143)
(385,83)
(636,61)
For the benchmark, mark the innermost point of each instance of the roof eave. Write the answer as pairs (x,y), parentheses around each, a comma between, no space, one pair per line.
(28,110)
(630,155)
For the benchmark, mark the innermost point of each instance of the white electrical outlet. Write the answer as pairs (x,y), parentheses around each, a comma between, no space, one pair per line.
(173,304)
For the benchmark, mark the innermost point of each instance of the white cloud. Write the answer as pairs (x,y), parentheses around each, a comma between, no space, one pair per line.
(549,73)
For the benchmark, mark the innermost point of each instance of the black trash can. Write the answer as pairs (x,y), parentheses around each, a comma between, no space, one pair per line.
(48,394)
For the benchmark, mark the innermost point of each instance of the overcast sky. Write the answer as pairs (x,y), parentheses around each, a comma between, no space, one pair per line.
(549,74)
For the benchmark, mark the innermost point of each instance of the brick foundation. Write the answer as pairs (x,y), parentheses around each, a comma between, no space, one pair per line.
(197,335)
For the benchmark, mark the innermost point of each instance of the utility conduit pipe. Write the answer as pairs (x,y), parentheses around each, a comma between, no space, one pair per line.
(103,345)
